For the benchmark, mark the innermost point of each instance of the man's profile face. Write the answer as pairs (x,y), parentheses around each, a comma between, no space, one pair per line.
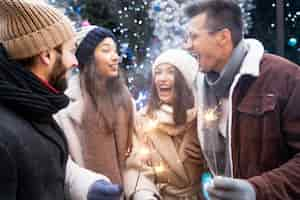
(64,60)
(203,43)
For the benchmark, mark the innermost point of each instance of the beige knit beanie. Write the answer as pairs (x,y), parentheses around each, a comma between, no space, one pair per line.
(182,60)
(28,27)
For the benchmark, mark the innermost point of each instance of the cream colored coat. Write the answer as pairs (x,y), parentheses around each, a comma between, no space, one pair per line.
(67,116)
(95,148)
(175,149)
(78,180)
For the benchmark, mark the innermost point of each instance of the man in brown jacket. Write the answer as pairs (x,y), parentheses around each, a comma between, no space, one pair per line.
(254,138)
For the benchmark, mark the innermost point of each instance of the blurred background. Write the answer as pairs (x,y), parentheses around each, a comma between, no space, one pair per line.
(146,27)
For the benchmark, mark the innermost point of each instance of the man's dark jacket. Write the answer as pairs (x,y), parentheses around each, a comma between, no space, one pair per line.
(33,150)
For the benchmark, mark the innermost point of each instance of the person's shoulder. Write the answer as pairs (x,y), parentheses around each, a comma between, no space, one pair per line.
(8,117)
(11,125)
(277,64)
(73,111)
(74,91)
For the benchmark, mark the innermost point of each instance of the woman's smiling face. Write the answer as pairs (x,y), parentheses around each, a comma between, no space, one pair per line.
(107,58)
(164,79)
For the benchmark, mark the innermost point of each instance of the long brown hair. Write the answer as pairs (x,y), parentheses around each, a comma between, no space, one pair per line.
(109,99)
(183,99)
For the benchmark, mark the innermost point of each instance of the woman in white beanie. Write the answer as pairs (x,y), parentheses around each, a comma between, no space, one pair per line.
(166,161)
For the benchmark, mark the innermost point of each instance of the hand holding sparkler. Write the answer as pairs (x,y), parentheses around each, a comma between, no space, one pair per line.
(210,119)
(146,164)
(159,168)
(144,154)
(150,125)
(143,148)
(231,188)
(211,115)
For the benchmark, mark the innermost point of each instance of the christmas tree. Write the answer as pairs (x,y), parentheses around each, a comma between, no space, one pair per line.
(71,8)
(292,30)
(144,28)
(264,27)
(170,20)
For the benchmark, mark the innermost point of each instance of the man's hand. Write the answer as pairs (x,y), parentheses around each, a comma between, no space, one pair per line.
(224,188)
(103,190)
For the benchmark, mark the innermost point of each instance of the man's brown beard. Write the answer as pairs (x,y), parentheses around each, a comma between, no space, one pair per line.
(57,78)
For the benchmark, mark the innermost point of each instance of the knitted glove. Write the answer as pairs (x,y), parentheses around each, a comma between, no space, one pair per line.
(224,188)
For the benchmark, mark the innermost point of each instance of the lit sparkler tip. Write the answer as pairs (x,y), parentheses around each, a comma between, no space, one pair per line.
(144,151)
(151,124)
(159,169)
(210,115)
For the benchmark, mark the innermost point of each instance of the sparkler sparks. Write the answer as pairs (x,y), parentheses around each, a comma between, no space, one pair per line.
(146,160)
(145,156)
(144,151)
(211,115)
(159,168)
(151,124)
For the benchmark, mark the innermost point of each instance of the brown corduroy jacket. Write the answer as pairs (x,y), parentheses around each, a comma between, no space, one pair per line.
(265,131)
(263,124)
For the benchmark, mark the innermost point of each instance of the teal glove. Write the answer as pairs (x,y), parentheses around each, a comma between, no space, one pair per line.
(224,188)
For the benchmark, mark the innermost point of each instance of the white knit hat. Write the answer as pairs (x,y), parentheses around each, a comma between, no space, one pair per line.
(182,60)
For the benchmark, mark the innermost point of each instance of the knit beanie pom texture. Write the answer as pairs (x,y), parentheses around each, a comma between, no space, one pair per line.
(28,27)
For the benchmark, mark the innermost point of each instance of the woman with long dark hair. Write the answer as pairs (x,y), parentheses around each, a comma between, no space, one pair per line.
(166,161)
(99,123)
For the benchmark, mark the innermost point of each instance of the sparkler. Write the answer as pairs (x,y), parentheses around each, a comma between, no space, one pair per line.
(212,121)
(211,115)
(145,152)
(210,118)
(159,168)
(145,157)
(151,124)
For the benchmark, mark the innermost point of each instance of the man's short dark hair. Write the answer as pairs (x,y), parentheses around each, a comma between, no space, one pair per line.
(220,14)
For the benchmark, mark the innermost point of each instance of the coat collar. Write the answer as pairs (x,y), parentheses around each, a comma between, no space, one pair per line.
(76,106)
(251,62)
(75,110)
(164,115)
